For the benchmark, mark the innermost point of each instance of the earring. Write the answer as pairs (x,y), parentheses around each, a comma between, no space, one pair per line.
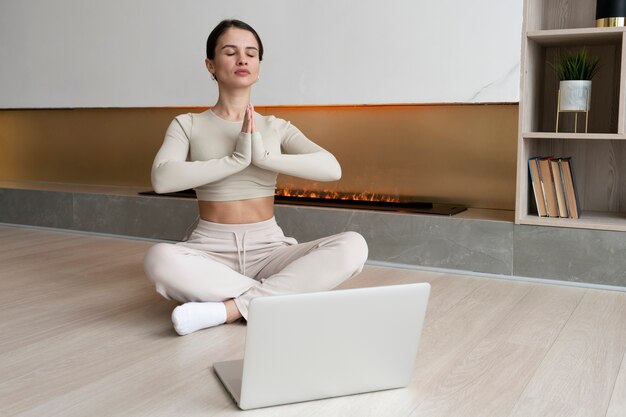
(213,76)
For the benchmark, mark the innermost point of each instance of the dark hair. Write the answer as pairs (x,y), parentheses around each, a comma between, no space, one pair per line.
(211,41)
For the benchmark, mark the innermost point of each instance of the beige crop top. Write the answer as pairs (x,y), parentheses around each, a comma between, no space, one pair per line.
(212,155)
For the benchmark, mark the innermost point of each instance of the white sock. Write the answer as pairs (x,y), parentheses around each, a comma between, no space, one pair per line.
(189,317)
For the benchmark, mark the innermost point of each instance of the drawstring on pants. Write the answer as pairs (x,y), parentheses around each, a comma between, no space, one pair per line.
(241,248)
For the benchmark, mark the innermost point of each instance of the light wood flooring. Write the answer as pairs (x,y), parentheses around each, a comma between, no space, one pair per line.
(82,333)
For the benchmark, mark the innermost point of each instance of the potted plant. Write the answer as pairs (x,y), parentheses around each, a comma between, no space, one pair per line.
(575,71)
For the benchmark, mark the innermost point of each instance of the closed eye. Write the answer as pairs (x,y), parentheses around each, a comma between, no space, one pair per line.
(230,50)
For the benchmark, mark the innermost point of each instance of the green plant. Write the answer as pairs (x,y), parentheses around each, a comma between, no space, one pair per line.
(576,66)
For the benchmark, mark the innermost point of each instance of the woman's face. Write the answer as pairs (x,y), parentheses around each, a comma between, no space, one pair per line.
(236,62)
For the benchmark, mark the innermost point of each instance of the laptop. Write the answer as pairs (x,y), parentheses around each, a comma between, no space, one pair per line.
(319,345)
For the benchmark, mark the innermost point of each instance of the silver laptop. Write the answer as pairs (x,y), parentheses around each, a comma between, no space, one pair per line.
(327,344)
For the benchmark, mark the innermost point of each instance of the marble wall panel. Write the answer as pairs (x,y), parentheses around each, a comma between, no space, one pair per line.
(36,208)
(140,216)
(434,241)
(592,256)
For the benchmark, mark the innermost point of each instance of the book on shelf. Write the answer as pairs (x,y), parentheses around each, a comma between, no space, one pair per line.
(558,187)
(547,182)
(554,188)
(535,179)
(569,186)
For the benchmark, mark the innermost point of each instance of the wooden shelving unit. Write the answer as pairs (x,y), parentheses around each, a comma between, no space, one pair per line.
(552,27)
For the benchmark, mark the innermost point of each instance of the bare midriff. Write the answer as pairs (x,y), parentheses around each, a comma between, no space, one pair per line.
(237,212)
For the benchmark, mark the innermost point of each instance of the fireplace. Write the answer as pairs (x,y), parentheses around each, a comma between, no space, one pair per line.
(364,201)
(347,200)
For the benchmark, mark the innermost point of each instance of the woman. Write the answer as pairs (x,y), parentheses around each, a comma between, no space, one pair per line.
(232,156)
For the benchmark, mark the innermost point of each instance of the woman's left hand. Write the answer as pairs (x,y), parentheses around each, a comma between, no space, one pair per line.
(252,124)
(258,149)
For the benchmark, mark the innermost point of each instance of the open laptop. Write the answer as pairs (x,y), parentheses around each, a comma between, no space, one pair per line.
(327,344)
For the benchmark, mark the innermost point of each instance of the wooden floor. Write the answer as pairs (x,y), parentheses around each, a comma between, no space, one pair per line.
(83,334)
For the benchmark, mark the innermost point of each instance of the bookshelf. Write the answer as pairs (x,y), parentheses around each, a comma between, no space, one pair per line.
(552,27)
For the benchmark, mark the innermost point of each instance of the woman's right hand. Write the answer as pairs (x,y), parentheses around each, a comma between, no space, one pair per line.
(243,149)
(248,120)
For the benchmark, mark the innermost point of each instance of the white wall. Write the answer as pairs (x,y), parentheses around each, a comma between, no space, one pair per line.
(147,53)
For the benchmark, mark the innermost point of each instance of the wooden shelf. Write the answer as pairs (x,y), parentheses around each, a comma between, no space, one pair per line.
(586,36)
(588,220)
(583,136)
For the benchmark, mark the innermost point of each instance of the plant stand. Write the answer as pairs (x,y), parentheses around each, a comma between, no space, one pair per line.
(586,111)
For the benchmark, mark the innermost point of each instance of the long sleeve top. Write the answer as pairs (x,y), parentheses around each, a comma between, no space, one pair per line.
(212,155)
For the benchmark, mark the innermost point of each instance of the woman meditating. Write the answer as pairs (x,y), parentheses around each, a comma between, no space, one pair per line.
(231,156)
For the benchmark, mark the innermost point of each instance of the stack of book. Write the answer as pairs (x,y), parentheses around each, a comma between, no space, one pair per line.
(553,187)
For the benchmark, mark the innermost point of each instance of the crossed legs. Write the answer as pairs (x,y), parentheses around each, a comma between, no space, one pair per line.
(211,289)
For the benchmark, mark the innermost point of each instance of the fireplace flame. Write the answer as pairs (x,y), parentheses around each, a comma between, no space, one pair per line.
(335,195)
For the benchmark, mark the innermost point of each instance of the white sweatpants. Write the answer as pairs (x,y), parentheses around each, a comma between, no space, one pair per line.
(244,261)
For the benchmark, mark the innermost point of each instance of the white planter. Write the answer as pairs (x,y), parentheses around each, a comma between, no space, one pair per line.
(575,95)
